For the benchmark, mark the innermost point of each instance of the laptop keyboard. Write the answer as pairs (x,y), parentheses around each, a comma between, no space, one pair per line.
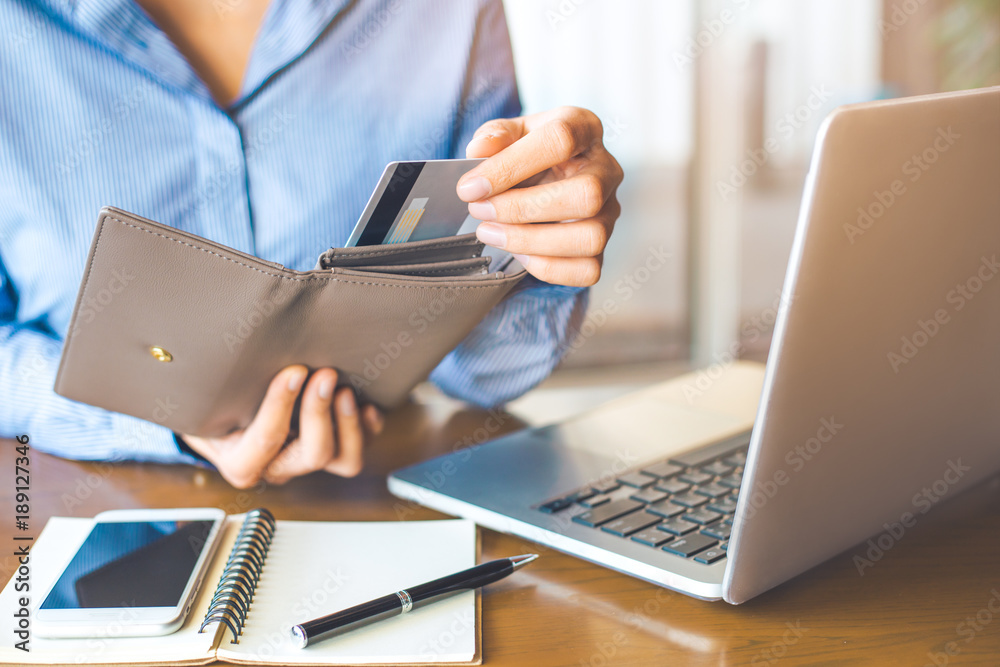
(684,505)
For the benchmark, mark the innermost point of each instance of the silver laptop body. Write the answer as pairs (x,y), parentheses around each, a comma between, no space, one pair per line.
(880,397)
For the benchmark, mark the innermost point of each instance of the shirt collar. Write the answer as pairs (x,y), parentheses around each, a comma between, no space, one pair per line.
(124,28)
(288,29)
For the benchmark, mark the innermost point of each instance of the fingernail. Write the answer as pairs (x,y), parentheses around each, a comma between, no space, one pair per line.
(295,382)
(523,259)
(474,189)
(346,405)
(482,210)
(491,235)
(326,389)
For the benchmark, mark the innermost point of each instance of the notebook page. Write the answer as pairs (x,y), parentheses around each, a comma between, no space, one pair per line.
(60,538)
(316,568)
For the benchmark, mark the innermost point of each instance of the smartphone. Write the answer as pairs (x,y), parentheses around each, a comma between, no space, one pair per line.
(135,575)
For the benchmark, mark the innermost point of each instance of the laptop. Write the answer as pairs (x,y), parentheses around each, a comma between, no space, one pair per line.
(880,397)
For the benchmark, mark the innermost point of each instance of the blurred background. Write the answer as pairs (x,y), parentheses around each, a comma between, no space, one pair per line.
(689,92)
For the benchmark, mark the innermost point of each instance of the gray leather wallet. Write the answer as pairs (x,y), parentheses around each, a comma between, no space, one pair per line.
(178,330)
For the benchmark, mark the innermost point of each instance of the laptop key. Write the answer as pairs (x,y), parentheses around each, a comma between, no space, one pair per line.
(725,505)
(630,523)
(695,477)
(594,501)
(709,556)
(605,487)
(663,469)
(719,531)
(690,545)
(712,490)
(724,546)
(607,512)
(677,526)
(648,495)
(637,479)
(737,458)
(621,493)
(718,468)
(562,503)
(702,516)
(689,500)
(556,505)
(672,486)
(733,481)
(652,537)
(666,509)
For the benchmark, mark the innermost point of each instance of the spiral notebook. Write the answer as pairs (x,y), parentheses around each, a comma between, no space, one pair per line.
(309,569)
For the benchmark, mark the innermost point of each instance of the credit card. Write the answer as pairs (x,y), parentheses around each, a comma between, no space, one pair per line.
(415,201)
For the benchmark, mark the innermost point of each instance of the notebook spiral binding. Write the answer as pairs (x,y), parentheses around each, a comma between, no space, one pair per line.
(234,592)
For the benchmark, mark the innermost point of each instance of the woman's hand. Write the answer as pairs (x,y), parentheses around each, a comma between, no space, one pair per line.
(331,435)
(560,217)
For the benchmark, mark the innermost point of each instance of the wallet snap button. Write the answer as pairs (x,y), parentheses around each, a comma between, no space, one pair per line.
(160,354)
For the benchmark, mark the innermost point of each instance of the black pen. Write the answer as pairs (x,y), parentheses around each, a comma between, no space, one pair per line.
(403,601)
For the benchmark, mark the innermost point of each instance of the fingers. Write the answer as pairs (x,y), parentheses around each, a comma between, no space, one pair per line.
(331,434)
(581,195)
(209,448)
(494,136)
(260,442)
(350,437)
(533,144)
(576,238)
(567,189)
(314,447)
(259,451)
(572,271)
(373,420)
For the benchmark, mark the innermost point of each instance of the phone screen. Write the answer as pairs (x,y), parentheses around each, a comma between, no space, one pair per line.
(131,564)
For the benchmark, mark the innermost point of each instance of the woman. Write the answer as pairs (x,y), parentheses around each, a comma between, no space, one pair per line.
(263,125)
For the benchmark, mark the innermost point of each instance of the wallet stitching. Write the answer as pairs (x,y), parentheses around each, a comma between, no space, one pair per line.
(278,275)
(86,283)
(421,272)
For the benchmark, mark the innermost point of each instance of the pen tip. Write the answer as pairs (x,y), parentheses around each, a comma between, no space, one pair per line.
(522,560)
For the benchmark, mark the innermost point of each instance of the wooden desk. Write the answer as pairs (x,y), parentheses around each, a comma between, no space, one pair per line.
(564,611)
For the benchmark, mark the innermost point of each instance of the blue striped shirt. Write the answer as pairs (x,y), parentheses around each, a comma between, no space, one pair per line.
(98,107)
